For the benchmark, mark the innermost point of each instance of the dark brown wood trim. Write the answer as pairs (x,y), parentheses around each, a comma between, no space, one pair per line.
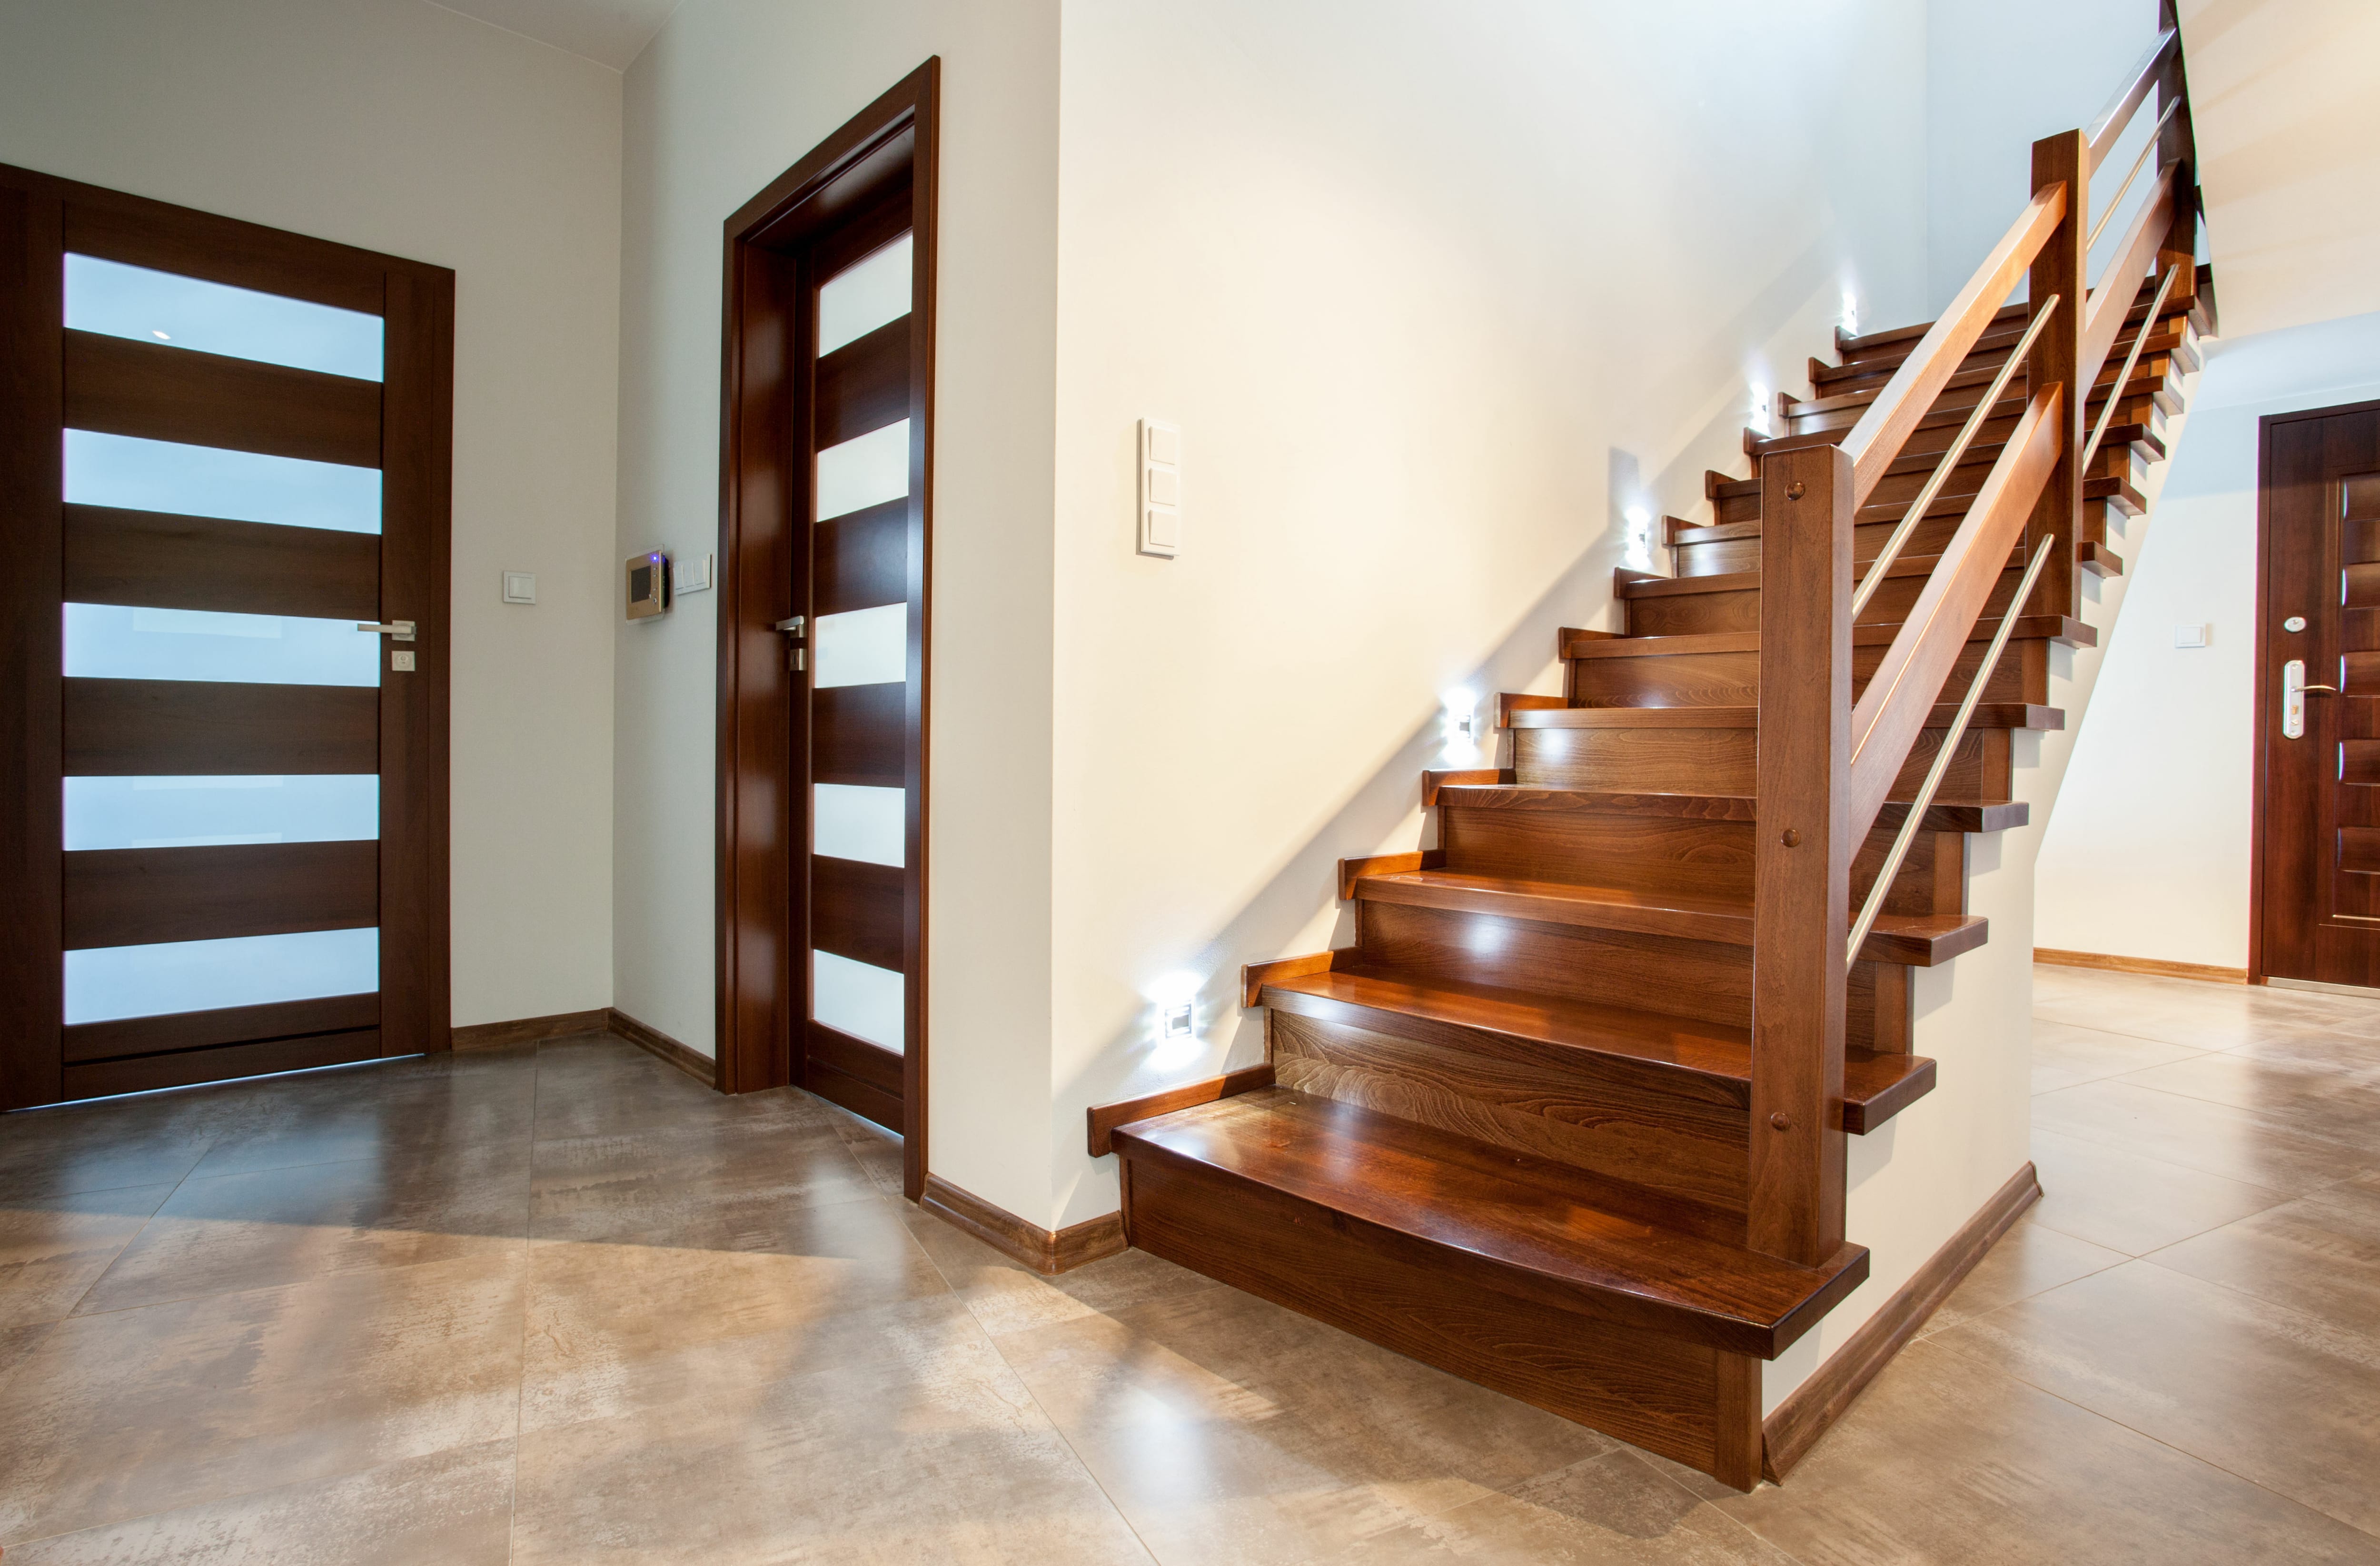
(184,1068)
(1104,1118)
(659,1045)
(1353,871)
(1045,1250)
(1788,1434)
(2205,973)
(531,1031)
(1254,976)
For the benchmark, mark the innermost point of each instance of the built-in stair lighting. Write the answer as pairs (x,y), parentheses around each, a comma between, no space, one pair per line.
(1460,726)
(1638,546)
(1173,1001)
(1850,313)
(1763,406)
(1177,1020)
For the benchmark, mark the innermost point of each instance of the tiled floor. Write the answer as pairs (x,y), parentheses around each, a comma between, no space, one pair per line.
(562,1304)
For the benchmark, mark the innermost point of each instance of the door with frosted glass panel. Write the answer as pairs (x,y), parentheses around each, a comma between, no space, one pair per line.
(225,486)
(855,650)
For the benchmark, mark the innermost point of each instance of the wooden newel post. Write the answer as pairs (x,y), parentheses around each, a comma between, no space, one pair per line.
(1802,869)
(2178,144)
(2059,269)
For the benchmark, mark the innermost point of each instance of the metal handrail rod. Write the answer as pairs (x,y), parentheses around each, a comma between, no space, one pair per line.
(1874,581)
(2134,173)
(2103,130)
(2116,391)
(1934,774)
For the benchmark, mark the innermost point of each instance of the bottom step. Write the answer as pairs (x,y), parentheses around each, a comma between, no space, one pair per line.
(1503,1269)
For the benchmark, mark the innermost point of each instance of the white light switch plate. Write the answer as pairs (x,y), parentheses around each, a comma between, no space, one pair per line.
(2190,635)
(691,574)
(520,587)
(1159,510)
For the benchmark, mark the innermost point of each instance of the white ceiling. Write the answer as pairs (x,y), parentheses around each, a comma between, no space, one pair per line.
(2288,148)
(612,32)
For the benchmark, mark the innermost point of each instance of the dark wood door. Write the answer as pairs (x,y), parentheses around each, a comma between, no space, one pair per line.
(224,484)
(2317,900)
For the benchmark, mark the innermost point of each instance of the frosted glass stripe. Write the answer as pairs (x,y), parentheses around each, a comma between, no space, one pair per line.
(849,821)
(188,312)
(242,486)
(863,647)
(866,470)
(199,812)
(114,641)
(107,982)
(864,296)
(859,998)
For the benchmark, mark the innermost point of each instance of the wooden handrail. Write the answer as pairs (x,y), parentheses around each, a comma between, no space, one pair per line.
(2111,301)
(2148,148)
(2106,131)
(1900,696)
(1877,438)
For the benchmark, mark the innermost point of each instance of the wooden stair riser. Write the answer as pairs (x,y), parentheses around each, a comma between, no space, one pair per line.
(1690,1402)
(1670,855)
(1738,608)
(1990,352)
(1732,679)
(1674,1146)
(1722,761)
(1700,980)
(2155,380)
(1897,343)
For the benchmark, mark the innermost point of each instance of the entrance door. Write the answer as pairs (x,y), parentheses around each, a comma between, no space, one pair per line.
(224,482)
(2317,903)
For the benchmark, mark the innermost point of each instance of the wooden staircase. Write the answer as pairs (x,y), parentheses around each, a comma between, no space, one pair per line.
(1567,1118)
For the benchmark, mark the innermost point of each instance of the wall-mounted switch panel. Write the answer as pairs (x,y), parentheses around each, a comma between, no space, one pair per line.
(401,662)
(691,576)
(2190,635)
(520,587)
(1160,504)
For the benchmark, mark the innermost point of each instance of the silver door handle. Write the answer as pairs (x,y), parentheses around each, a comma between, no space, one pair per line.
(401,630)
(792,627)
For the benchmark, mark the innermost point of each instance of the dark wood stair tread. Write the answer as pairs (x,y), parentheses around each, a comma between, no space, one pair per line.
(1987,715)
(1875,1087)
(2036,628)
(1944,815)
(1919,941)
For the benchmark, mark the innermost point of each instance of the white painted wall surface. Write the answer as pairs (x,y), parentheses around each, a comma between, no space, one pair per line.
(727,97)
(2148,853)
(404,128)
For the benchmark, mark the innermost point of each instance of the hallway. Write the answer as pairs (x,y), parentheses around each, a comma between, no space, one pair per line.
(561,1304)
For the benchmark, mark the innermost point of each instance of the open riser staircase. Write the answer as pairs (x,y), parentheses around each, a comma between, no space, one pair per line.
(1568,1117)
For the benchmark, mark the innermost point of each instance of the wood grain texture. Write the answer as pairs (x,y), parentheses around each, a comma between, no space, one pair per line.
(147,728)
(1789,1433)
(662,1047)
(121,387)
(857,1058)
(144,1074)
(855,910)
(1102,1118)
(1254,976)
(530,1030)
(2109,963)
(162,561)
(863,385)
(122,1037)
(1047,1252)
(2060,272)
(860,560)
(132,896)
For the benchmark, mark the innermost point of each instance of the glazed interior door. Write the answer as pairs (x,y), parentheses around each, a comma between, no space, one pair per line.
(235,689)
(2320,889)
(858,645)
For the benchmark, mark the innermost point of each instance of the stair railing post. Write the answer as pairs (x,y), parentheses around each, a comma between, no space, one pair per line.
(2178,144)
(1802,867)
(2058,271)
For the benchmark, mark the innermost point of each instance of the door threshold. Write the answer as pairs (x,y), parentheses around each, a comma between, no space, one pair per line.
(2321,988)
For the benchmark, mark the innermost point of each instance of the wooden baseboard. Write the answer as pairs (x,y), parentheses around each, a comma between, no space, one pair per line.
(2204,972)
(530,1030)
(653,1041)
(1045,1250)
(1104,1118)
(1814,1406)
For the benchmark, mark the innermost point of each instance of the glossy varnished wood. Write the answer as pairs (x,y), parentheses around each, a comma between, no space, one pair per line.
(130,896)
(120,386)
(165,561)
(229,1025)
(143,1074)
(1102,1118)
(147,728)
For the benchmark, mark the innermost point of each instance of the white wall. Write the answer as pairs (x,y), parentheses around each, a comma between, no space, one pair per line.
(406,128)
(2148,855)
(731,93)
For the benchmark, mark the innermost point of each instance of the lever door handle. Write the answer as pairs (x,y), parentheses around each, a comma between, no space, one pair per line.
(400,630)
(792,627)
(2319,690)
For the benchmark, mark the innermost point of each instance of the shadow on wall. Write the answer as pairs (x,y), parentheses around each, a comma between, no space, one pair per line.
(1273,917)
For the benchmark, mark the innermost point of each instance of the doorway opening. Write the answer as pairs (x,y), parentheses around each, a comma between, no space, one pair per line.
(826,513)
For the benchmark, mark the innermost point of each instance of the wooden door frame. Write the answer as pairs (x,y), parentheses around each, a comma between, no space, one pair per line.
(763,348)
(42,216)
(2257,973)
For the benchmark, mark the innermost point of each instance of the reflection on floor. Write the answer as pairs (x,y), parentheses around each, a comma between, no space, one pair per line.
(562,1304)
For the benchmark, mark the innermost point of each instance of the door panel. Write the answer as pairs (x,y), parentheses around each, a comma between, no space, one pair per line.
(236,837)
(2318,913)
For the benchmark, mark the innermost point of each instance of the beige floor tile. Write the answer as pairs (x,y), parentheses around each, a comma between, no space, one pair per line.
(1008,1297)
(384,1111)
(2272,1394)
(1947,1462)
(943,1457)
(701,1184)
(605,1086)
(1608,1508)
(2250,1146)
(70,1148)
(2180,1011)
(112,1417)
(54,1250)
(2131,1203)
(1228,1429)
(2311,1097)
(2320,1255)
(2029,1258)
(276,1226)
(448,1509)
(2064,1054)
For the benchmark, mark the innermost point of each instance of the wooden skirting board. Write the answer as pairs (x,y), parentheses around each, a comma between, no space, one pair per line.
(1105,1118)
(603,1019)
(1788,1434)
(1047,1252)
(2200,971)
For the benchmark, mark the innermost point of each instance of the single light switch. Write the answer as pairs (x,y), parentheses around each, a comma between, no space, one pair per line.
(1160,510)
(1164,486)
(1164,442)
(2190,635)
(520,587)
